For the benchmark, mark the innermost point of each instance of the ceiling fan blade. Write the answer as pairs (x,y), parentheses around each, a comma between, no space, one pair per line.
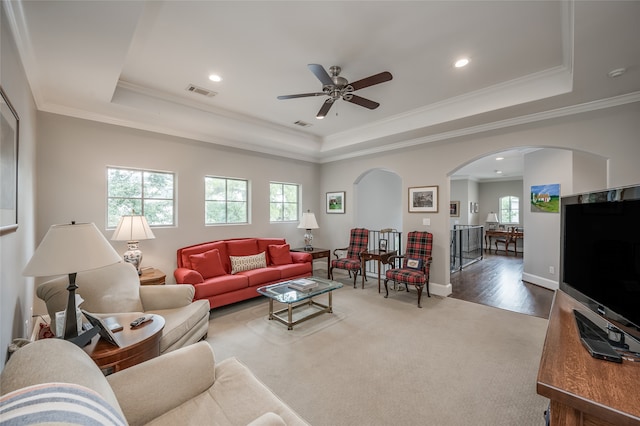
(321,73)
(370,81)
(325,108)
(359,100)
(301,95)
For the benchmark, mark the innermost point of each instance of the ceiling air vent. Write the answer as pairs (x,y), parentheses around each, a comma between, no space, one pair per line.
(200,91)
(302,123)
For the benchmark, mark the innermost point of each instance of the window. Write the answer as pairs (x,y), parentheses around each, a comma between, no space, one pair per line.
(225,200)
(509,209)
(131,191)
(283,202)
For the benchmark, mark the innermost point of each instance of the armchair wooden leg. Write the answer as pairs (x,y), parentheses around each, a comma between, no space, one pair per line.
(355,278)
(386,288)
(331,273)
(419,288)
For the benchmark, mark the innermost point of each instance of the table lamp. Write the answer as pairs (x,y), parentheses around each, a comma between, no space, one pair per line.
(69,249)
(492,220)
(308,222)
(132,229)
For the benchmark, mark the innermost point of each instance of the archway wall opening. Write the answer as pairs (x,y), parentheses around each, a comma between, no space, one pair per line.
(610,133)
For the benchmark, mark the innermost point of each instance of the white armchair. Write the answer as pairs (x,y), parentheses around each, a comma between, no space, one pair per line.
(116,289)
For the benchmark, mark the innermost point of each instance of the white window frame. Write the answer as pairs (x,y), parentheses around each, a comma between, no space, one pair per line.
(227,201)
(297,202)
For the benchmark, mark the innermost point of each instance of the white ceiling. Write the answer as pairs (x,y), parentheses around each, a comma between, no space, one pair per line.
(129,63)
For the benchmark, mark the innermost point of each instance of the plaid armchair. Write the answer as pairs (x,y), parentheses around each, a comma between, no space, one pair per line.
(416,263)
(358,242)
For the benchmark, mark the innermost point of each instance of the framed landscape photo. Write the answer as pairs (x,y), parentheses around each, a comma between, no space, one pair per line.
(423,199)
(454,209)
(335,202)
(8,165)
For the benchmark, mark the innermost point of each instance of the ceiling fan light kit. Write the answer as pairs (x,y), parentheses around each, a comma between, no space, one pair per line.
(336,87)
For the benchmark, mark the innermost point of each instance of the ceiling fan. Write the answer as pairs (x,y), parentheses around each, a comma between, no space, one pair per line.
(337,87)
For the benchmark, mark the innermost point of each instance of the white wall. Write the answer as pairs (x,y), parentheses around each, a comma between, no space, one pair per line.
(16,291)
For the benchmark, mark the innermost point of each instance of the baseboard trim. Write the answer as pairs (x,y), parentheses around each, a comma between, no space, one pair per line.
(440,289)
(542,282)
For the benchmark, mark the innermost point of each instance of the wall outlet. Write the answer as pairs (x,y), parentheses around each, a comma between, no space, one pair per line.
(426,221)
(552,270)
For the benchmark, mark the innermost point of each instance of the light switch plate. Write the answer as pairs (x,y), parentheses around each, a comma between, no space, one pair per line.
(426,221)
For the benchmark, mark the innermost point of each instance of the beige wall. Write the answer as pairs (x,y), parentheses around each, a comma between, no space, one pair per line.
(612,133)
(16,291)
(73,155)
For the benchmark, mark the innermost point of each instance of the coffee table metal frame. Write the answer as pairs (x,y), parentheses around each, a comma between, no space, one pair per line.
(282,293)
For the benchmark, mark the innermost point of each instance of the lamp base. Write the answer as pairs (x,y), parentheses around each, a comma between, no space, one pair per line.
(133,255)
(307,240)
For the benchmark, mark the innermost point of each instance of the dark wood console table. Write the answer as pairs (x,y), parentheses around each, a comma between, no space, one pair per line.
(584,390)
(501,233)
(317,253)
(381,256)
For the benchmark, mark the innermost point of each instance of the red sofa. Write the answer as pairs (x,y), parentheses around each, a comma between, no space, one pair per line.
(228,271)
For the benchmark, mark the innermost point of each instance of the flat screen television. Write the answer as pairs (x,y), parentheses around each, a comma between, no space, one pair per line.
(600,254)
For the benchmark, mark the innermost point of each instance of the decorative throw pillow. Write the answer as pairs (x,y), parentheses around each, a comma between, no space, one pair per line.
(280,254)
(57,403)
(208,264)
(247,263)
(413,263)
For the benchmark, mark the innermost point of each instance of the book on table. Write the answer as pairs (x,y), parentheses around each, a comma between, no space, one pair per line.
(303,284)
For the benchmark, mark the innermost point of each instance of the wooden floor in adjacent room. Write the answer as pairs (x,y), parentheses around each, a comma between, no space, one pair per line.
(496,280)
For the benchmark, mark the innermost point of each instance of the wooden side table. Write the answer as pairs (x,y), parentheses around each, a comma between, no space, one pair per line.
(381,256)
(152,276)
(136,344)
(317,253)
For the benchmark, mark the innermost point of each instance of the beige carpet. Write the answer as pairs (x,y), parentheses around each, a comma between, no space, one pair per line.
(379,361)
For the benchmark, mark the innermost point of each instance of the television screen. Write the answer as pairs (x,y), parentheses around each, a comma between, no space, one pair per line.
(600,254)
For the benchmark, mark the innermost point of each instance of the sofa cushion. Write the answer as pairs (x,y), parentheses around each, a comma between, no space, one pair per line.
(293,270)
(178,323)
(242,247)
(208,263)
(280,254)
(247,263)
(220,285)
(261,276)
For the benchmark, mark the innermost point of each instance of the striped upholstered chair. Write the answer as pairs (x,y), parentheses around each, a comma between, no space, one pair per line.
(358,242)
(416,263)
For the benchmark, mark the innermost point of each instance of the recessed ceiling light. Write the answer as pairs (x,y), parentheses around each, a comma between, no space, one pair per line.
(617,72)
(499,172)
(215,77)
(461,63)
(499,158)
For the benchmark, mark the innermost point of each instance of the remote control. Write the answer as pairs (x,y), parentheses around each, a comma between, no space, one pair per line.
(136,322)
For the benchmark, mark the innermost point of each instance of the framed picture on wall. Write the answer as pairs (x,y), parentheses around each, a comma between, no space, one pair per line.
(423,199)
(382,244)
(8,165)
(454,209)
(335,202)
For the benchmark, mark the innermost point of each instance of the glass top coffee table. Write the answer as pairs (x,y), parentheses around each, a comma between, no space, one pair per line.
(297,299)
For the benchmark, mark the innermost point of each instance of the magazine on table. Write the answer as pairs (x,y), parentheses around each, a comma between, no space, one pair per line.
(303,284)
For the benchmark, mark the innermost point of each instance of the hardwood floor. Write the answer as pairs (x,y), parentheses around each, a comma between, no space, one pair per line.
(496,281)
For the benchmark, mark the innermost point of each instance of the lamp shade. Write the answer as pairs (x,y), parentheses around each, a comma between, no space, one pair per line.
(308,221)
(492,218)
(71,248)
(133,228)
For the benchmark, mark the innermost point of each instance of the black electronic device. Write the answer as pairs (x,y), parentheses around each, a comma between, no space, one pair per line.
(600,254)
(594,339)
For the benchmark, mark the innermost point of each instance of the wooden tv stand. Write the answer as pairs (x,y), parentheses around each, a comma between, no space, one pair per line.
(584,390)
